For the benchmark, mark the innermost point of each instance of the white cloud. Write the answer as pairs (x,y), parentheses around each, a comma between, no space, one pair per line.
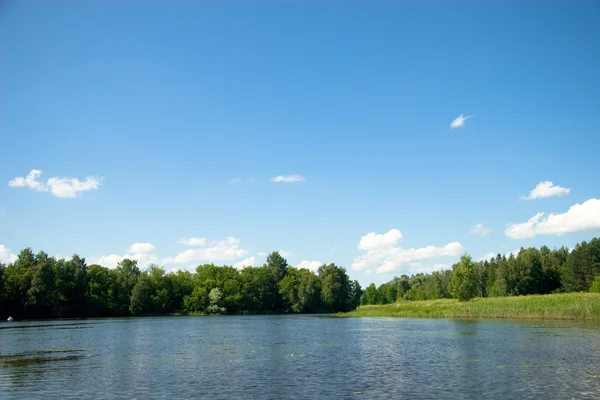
(373,241)
(247,262)
(69,187)
(418,268)
(141,248)
(29,181)
(383,252)
(220,250)
(192,241)
(110,261)
(311,265)
(288,178)
(579,218)
(284,253)
(59,187)
(6,257)
(507,254)
(513,252)
(480,229)
(459,121)
(334,248)
(547,189)
(261,254)
(487,257)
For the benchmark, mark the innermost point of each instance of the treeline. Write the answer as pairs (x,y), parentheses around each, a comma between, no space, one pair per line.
(532,271)
(40,286)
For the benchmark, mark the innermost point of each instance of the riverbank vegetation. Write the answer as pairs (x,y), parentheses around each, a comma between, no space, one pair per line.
(40,286)
(531,271)
(563,306)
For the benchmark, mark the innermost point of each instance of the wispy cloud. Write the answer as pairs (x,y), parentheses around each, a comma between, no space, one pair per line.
(480,229)
(288,179)
(579,218)
(547,189)
(459,121)
(59,187)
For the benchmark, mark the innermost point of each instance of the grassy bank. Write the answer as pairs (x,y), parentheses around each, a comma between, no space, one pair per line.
(567,306)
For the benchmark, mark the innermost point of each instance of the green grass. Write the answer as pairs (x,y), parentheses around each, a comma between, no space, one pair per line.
(565,306)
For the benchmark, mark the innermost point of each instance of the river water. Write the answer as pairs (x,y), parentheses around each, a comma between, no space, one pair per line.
(295,357)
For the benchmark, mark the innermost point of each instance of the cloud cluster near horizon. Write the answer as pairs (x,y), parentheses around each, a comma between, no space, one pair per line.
(579,218)
(384,254)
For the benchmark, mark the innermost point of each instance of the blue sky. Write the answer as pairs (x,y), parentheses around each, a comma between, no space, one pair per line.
(176,117)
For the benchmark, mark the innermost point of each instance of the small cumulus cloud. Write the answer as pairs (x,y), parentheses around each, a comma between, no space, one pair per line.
(247,262)
(459,121)
(57,186)
(487,257)
(373,241)
(384,253)
(547,189)
(6,256)
(141,248)
(579,218)
(288,179)
(311,265)
(480,229)
(284,253)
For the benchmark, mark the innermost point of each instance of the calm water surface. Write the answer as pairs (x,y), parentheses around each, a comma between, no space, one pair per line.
(285,357)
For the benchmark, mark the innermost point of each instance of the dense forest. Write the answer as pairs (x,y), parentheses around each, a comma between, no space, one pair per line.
(40,286)
(532,271)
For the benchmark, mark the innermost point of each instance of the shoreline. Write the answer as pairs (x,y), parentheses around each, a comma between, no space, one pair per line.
(558,307)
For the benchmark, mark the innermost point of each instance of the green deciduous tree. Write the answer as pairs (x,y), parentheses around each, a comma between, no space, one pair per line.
(336,290)
(465,281)
(300,290)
